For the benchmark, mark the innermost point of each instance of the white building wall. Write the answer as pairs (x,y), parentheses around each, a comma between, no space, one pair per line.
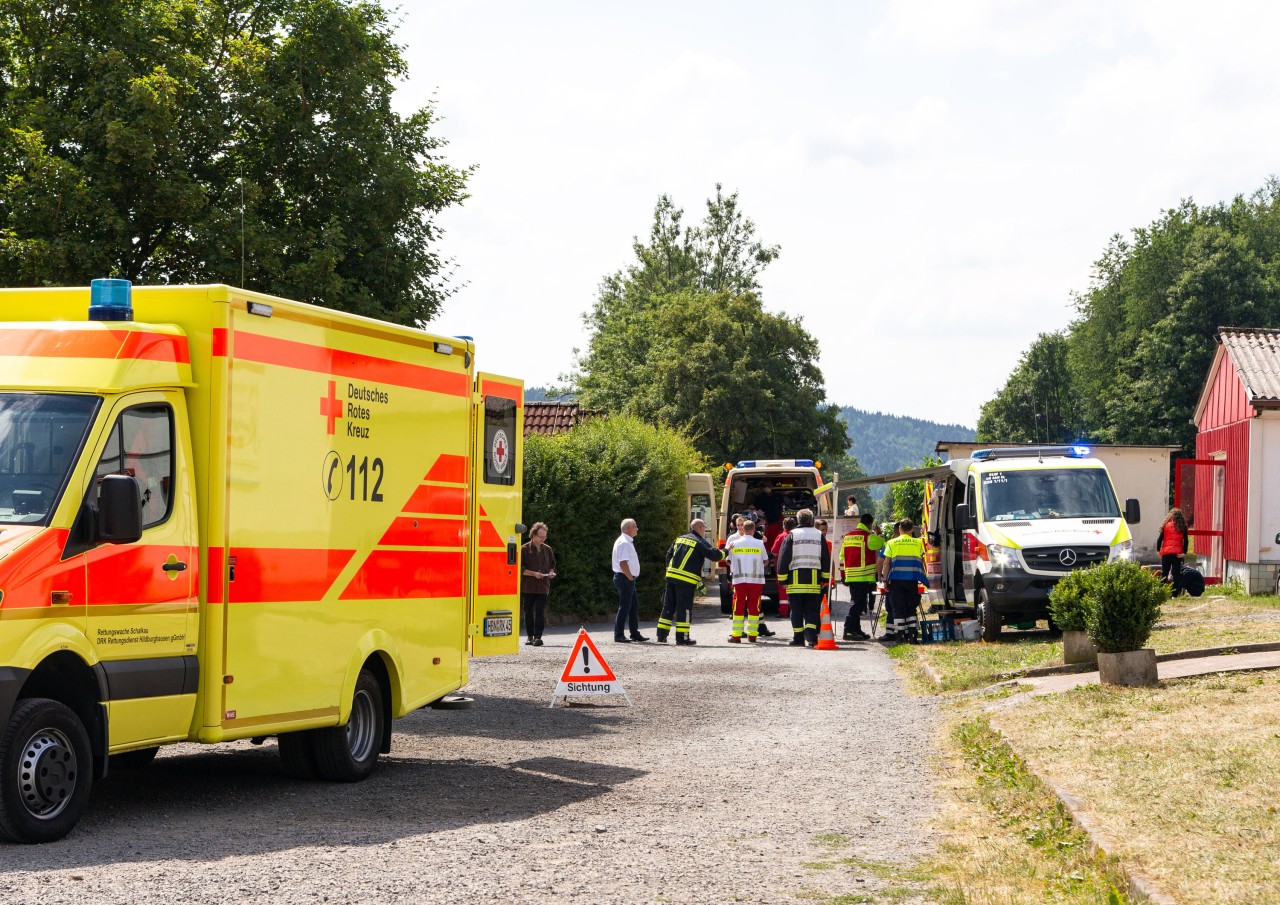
(1141,474)
(1264,488)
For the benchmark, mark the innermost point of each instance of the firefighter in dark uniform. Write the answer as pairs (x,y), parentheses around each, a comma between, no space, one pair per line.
(804,565)
(685,558)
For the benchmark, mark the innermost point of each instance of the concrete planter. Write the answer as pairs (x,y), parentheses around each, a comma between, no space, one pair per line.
(1077,648)
(1135,668)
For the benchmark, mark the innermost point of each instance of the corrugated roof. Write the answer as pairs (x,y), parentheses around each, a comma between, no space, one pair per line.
(1255,353)
(554,417)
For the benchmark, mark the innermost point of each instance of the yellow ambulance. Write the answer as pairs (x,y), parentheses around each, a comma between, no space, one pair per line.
(226,515)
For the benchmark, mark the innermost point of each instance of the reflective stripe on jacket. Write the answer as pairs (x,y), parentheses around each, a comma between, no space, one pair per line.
(858,555)
(906,559)
(686,555)
(747,560)
(804,562)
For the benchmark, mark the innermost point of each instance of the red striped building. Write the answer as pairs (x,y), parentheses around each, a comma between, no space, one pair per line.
(1231,491)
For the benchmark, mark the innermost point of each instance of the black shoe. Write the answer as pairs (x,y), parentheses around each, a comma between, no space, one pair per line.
(661,639)
(638,637)
(766,632)
(861,636)
(848,636)
(686,642)
(536,642)
(619,639)
(796,642)
(528,640)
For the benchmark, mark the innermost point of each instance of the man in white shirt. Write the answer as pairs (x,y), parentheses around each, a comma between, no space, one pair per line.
(626,569)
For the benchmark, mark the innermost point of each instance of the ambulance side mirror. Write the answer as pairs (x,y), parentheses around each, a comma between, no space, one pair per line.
(963,519)
(119,509)
(1132,512)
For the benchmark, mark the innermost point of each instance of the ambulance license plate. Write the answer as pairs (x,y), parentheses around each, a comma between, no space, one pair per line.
(497,626)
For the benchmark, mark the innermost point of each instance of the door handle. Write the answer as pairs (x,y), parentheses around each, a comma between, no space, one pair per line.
(174,567)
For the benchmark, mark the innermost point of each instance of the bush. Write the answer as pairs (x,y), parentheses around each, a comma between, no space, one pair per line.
(584,483)
(1070,600)
(1126,601)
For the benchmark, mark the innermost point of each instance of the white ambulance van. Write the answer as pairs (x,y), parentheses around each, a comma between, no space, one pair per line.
(1006,524)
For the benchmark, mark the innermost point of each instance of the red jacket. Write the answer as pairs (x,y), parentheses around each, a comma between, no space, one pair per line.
(1171,542)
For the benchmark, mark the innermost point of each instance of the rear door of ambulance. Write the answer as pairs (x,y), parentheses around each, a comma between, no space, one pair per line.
(497,475)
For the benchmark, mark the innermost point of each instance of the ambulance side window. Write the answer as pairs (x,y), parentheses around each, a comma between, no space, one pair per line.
(499,440)
(971,497)
(141,444)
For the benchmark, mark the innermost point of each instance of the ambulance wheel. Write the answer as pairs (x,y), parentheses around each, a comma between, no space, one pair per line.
(46,769)
(297,754)
(349,753)
(134,760)
(988,618)
(726,597)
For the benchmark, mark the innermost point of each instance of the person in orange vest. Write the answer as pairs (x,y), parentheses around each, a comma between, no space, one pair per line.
(858,565)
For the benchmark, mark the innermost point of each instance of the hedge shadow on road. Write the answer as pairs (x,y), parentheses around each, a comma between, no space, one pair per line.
(230,802)
(518,719)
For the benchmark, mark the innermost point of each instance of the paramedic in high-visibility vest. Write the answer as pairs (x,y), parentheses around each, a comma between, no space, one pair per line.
(685,558)
(804,566)
(858,563)
(747,560)
(903,570)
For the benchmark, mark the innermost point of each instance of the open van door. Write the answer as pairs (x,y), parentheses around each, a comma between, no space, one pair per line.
(700,491)
(497,475)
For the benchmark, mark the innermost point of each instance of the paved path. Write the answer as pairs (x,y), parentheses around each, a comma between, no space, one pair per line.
(1169,669)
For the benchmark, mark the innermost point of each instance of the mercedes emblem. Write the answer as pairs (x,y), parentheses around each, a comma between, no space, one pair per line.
(1067,557)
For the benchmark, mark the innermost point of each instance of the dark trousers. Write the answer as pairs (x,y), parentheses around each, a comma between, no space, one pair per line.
(628,606)
(862,593)
(904,603)
(1172,562)
(677,609)
(805,611)
(535,614)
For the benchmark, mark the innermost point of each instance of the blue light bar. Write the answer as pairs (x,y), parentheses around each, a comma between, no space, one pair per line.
(110,300)
(747,463)
(1082,451)
(804,463)
(980,454)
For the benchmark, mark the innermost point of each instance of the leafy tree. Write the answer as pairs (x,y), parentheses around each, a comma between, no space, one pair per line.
(170,140)
(908,496)
(680,338)
(1036,404)
(740,381)
(583,483)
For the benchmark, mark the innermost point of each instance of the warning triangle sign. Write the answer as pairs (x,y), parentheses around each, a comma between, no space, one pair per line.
(586,663)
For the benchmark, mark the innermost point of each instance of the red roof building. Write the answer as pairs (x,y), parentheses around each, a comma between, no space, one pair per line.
(554,417)
(1230,492)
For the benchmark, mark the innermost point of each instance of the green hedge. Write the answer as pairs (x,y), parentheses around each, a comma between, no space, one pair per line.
(584,483)
(1070,600)
(1124,603)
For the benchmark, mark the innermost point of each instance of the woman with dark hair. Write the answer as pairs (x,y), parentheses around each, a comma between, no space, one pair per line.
(1172,544)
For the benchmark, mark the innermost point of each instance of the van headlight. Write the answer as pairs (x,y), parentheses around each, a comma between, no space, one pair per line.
(1002,557)
(1122,550)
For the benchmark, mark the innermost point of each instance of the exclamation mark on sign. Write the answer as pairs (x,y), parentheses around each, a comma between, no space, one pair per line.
(586,661)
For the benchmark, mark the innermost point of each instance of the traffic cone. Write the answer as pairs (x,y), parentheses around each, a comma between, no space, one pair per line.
(826,637)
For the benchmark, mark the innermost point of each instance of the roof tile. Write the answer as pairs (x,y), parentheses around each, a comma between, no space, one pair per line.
(551,418)
(1255,353)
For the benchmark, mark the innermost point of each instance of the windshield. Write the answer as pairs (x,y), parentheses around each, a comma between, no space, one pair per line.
(40,438)
(1052,493)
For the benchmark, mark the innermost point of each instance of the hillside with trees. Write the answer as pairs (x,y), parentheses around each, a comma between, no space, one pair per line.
(883,443)
(1130,367)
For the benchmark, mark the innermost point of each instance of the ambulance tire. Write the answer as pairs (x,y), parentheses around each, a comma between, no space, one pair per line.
(988,618)
(46,770)
(139,759)
(297,755)
(350,753)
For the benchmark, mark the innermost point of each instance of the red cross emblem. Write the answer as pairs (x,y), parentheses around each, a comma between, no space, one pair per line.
(331,405)
(500,451)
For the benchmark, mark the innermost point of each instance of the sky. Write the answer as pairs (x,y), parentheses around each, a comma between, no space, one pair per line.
(940,175)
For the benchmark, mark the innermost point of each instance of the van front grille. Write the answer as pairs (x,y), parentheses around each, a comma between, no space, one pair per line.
(1064,559)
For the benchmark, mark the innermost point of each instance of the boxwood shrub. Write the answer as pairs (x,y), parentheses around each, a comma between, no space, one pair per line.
(1070,600)
(1125,605)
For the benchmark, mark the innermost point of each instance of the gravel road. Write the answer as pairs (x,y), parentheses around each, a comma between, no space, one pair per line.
(716,786)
